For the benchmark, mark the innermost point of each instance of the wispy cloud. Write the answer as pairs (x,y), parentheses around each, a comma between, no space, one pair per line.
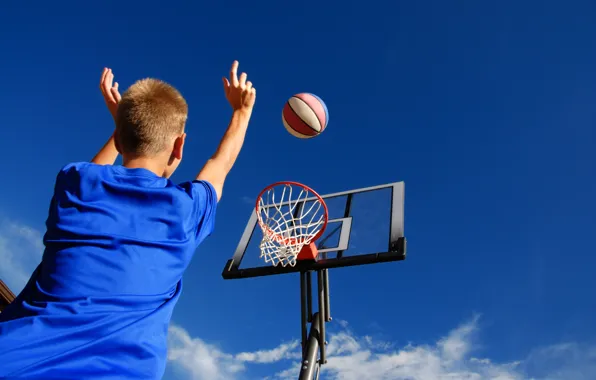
(569,361)
(363,357)
(284,351)
(248,200)
(203,361)
(21,248)
(352,357)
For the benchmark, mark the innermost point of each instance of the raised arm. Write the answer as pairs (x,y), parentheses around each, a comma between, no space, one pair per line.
(108,153)
(241,95)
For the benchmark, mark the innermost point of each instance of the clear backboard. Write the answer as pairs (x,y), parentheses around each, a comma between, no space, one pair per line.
(365,226)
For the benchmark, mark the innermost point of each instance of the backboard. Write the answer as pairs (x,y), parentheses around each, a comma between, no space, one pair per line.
(366,226)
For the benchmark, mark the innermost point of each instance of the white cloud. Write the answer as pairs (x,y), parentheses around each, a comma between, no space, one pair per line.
(351,357)
(202,361)
(248,200)
(284,351)
(21,248)
(565,361)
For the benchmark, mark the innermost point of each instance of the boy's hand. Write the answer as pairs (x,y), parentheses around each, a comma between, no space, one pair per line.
(240,93)
(108,154)
(110,92)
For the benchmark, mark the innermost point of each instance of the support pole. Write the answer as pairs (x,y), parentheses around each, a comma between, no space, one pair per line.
(309,296)
(327,317)
(303,311)
(322,312)
(315,343)
(309,359)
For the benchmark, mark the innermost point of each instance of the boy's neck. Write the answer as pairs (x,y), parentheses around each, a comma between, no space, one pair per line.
(154,165)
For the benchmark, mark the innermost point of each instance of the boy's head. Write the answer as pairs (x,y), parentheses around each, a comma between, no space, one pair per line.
(150,124)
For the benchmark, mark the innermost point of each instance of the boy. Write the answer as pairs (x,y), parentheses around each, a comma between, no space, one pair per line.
(118,241)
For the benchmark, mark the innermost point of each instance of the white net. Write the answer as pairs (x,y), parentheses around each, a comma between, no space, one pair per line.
(290,216)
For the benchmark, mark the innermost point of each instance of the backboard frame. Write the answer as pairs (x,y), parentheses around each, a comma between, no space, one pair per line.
(396,249)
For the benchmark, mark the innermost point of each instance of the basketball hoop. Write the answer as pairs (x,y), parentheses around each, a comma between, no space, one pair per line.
(292,216)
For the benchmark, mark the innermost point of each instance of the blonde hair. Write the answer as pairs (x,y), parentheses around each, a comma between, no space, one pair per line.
(150,115)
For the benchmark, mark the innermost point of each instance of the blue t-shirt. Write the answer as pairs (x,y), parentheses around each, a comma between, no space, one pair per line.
(98,306)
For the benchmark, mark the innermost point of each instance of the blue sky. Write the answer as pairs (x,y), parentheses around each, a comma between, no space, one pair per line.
(485,110)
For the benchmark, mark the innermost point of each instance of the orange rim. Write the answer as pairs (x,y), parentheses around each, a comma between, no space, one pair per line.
(276,236)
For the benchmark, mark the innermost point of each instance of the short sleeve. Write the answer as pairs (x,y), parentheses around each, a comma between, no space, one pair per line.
(205,198)
(70,172)
(69,177)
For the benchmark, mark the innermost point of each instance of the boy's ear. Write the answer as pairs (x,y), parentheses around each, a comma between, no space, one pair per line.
(179,146)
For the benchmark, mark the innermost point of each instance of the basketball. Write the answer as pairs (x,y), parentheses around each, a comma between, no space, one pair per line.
(305,115)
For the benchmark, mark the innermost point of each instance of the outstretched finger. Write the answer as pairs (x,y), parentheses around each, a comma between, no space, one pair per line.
(116,93)
(226,85)
(234,74)
(248,85)
(107,86)
(105,80)
(243,77)
(103,77)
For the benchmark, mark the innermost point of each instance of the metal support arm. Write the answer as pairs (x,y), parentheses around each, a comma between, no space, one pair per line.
(315,343)
(309,359)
